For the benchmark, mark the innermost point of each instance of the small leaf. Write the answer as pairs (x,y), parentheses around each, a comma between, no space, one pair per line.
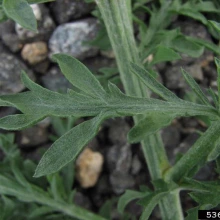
(153,84)
(21,12)
(187,46)
(195,87)
(149,125)
(127,197)
(214,97)
(165,54)
(79,76)
(215,25)
(192,214)
(149,203)
(206,6)
(66,148)
(20,121)
(214,153)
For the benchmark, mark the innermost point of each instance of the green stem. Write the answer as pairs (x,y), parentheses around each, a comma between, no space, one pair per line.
(117,18)
(203,146)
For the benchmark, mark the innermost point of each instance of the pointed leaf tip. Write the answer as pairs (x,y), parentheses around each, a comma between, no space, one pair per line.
(21,12)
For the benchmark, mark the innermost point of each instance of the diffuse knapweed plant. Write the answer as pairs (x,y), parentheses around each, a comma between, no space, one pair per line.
(149,114)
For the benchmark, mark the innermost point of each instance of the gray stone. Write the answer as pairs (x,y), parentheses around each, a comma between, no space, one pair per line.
(10,69)
(174,78)
(70,38)
(34,136)
(82,200)
(121,181)
(119,158)
(45,26)
(54,80)
(9,36)
(136,165)
(186,144)
(65,11)
(171,139)
(118,131)
(193,29)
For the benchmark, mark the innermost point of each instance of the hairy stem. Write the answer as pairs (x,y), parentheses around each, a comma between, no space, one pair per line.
(117,18)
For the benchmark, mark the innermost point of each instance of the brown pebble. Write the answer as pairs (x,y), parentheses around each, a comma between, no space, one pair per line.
(34,52)
(88,167)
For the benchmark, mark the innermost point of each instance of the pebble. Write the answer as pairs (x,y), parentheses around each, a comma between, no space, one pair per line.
(174,78)
(70,38)
(33,136)
(10,69)
(59,82)
(34,52)
(118,131)
(82,200)
(9,36)
(45,26)
(121,181)
(65,11)
(88,168)
(119,158)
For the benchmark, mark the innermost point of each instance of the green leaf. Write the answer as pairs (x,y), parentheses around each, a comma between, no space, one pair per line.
(214,153)
(215,25)
(3,16)
(187,46)
(153,84)
(39,1)
(207,200)
(192,13)
(210,46)
(20,121)
(149,203)
(192,214)
(214,97)
(206,6)
(149,125)
(21,12)
(127,197)
(80,76)
(165,54)
(66,148)
(195,87)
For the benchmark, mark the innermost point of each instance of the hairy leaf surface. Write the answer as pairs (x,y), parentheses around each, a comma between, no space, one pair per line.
(21,12)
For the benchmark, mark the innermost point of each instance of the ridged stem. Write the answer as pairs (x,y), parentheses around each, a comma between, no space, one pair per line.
(117,18)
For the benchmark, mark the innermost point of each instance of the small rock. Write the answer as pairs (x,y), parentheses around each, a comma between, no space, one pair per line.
(9,36)
(108,54)
(59,82)
(70,38)
(186,144)
(136,165)
(174,78)
(10,69)
(45,26)
(42,67)
(171,139)
(118,131)
(82,200)
(188,28)
(196,71)
(35,52)
(88,168)
(119,158)
(65,11)
(34,136)
(121,181)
